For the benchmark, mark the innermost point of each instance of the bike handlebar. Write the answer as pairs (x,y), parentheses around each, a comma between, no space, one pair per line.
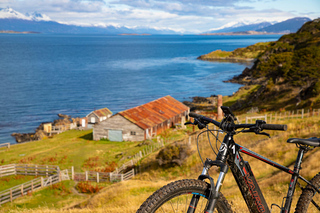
(239,126)
(274,127)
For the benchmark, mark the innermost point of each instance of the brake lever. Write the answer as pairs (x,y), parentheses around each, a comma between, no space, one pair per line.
(189,122)
(264,133)
(257,132)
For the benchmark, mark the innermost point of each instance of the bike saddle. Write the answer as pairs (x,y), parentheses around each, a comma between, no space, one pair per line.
(310,141)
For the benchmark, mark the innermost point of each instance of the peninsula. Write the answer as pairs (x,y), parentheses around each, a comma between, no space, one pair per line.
(246,54)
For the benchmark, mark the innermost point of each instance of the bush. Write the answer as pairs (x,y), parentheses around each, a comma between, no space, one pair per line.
(173,154)
(88,187)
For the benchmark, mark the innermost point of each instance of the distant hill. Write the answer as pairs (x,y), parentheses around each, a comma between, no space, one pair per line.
(242,27)
(11,20)
(287,72)
(288,26)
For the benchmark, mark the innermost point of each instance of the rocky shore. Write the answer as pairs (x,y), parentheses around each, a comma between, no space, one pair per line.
(40,133)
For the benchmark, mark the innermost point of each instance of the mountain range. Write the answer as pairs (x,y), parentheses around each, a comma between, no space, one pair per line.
(287,26)
(11,20)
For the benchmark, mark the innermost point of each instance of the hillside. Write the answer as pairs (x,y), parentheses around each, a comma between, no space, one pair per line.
(287,72)
(127,196)
(238,55)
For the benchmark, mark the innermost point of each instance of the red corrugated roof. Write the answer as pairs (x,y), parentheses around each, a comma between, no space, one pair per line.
(102,112)
(154,112)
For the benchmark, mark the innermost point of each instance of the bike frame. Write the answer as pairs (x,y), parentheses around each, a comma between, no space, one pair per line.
(229,156)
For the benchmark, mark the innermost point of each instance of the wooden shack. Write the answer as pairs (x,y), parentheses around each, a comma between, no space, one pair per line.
(142,122)
(98,116)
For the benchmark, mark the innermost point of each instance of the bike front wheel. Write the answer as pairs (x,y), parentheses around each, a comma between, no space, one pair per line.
(176,197)
(309,200)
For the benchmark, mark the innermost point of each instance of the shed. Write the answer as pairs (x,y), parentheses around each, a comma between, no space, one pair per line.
(98,116)
(142,122)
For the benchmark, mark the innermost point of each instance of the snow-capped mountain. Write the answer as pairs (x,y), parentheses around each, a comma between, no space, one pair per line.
(11,20)
(287,26)
(9,13)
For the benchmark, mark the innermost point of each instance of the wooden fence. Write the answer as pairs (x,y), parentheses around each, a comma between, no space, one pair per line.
(36,170)
(7,170)
(27,188)
(101,176)
(5,145)
(276,116)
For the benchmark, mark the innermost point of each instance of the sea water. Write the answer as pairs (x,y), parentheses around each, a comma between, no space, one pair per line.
(43,75)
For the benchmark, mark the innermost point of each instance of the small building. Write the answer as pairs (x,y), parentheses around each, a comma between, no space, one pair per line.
(47,127)
(142,122)
(98,116)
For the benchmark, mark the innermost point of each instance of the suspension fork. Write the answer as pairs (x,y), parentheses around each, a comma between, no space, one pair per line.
(215,189)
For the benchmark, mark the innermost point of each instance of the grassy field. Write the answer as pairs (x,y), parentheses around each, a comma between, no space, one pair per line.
(128,196)
(76,148)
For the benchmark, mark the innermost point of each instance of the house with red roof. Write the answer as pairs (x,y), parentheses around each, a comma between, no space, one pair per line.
(97,116)
(142,122)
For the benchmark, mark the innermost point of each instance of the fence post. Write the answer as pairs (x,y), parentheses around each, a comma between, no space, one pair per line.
(31,185)
(46,171)
(86,175)
(246,119)
(132,172)
(97,177)
(121,177)
(302,111)
(36,170)
(41,182)
(22,190)
(72,173)
(266,118)
(11,195)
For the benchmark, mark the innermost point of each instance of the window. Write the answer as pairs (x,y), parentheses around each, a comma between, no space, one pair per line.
(133,133)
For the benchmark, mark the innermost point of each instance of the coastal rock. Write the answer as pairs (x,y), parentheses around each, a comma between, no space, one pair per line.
(23,137)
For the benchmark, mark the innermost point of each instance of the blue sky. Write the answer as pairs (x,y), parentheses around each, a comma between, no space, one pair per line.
(181,15)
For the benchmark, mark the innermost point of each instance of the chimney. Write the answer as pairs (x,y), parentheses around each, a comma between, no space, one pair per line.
(220,115)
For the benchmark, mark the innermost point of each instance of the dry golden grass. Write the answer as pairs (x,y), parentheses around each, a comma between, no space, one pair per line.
(129,195)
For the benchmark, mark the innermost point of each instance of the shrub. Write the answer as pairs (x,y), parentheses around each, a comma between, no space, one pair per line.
(88,187)
(173,154)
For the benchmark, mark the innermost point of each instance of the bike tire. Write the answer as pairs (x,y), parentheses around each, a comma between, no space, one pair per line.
(308,194)
(178,190)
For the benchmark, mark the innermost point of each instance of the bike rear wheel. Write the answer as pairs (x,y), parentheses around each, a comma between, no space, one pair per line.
(176,197)
(309,200)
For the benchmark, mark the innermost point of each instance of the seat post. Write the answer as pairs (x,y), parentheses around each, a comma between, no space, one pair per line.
(294,179)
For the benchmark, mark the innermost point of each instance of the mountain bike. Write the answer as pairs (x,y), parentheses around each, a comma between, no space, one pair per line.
(203,195)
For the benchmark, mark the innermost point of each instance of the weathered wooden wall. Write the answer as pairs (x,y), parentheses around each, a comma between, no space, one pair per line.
(118,122)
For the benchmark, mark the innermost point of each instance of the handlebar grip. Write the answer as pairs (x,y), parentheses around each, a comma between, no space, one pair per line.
(195,115)
(274,127)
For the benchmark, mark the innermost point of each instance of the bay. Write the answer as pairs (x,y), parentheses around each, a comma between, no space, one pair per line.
(43,75)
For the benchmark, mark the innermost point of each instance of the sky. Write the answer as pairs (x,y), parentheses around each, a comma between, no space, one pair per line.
(192,16)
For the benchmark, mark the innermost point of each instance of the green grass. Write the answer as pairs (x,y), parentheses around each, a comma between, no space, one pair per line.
(76,148)
(13,180)
(56,196)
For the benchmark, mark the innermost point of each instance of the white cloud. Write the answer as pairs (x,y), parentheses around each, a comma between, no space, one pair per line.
(184,15)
